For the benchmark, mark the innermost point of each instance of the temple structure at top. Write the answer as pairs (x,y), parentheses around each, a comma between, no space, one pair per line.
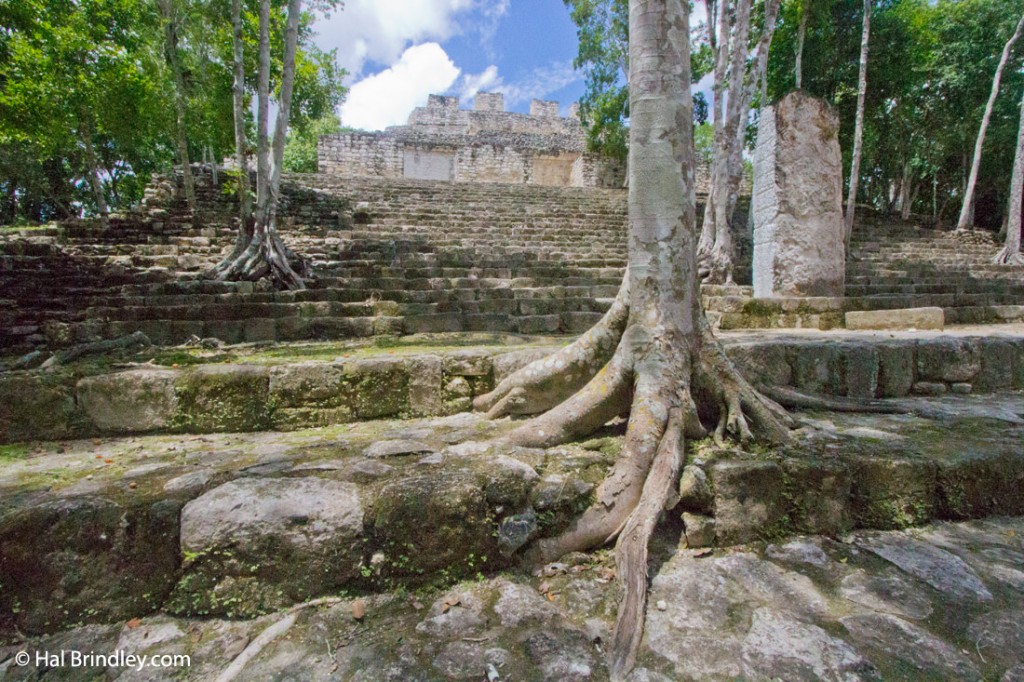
(484,144)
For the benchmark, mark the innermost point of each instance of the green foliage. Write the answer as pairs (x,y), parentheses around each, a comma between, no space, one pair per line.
(602,27)
(99,69)
(300,146)
(930,70)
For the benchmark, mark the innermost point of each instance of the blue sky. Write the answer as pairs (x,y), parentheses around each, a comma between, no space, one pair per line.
(400,51)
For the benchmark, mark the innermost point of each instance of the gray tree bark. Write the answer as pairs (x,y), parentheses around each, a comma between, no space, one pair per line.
(1011,252)
(659,348)
(966,218)
(858,129)
(92,167)
(171,18)
(801,33)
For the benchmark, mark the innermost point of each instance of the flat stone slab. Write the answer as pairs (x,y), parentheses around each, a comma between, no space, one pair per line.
(903,318)
(757,611)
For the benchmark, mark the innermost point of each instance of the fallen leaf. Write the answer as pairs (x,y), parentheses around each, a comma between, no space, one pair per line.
(550,596)
(359,609)
(134,623)
(108,461)
(544,587)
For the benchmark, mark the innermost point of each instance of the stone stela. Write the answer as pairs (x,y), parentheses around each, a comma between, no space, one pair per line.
(485,144)
(797,201)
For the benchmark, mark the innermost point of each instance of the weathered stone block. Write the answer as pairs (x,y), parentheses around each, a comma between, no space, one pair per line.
(748,499)
(36,408)
(997,361)
(818,495)
(129,402)
(861,371)
(694,491)
(797,201)
(261,542)
(425,384)
(818,368)
(905,318)
(86,559)
(895,369)
(892,493)
(217,398)
(948,359)
(762,363)
(972,488)
(699,530)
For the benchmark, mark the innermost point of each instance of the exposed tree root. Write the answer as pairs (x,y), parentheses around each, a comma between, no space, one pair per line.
(264,256)
(926,410)
(631,548)
(546,382)
(273,631)
(651,378)
(1004,257)
(714,266)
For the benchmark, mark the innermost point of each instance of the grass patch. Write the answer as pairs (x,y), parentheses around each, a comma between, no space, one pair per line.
(14,452)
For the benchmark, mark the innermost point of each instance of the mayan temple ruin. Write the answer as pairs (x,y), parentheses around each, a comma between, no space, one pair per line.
(483,144)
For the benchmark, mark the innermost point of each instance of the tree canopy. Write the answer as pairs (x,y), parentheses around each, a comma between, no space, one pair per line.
(81,74)
(930,71)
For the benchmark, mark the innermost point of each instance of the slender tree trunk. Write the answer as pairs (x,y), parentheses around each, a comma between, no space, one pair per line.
(801,33)
(653,352)
(967,208)
(771,14)
(720,48)
(170,16)
(92,166)
(266,255)
(1011,252)
(858,130)
(715,250)
(241,158)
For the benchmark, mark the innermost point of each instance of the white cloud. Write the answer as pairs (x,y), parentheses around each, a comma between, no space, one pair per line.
(539,83)
(381,30)
(387,98)
(492,13)
(470,84)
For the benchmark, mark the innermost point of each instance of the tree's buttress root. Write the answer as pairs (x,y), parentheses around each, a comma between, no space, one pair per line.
(659,397)
(545,383)
(265,256)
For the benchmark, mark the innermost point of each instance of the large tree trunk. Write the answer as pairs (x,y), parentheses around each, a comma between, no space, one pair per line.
(1011,252)
(801,33)
(653,354)
(858,129)
(170,16)
(92,168)
(265,254)
(967,208)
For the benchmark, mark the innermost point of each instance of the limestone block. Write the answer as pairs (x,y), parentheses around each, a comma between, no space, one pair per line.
(129,402)
(904,318)
(303,535)
(948,359)
(895,369)
(748,499)
(797,201)
(36,408)
(892,493)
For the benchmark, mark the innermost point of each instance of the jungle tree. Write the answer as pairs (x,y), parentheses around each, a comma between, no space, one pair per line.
(653,354)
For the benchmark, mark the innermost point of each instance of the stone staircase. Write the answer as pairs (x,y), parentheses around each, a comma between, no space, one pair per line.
(891,266)
(401,257)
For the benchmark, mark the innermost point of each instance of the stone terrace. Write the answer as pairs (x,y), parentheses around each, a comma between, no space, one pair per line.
(407,256)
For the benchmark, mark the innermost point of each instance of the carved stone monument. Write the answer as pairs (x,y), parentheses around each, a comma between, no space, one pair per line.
(797,201)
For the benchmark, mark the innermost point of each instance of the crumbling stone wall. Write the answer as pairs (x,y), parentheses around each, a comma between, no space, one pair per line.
(485,144)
